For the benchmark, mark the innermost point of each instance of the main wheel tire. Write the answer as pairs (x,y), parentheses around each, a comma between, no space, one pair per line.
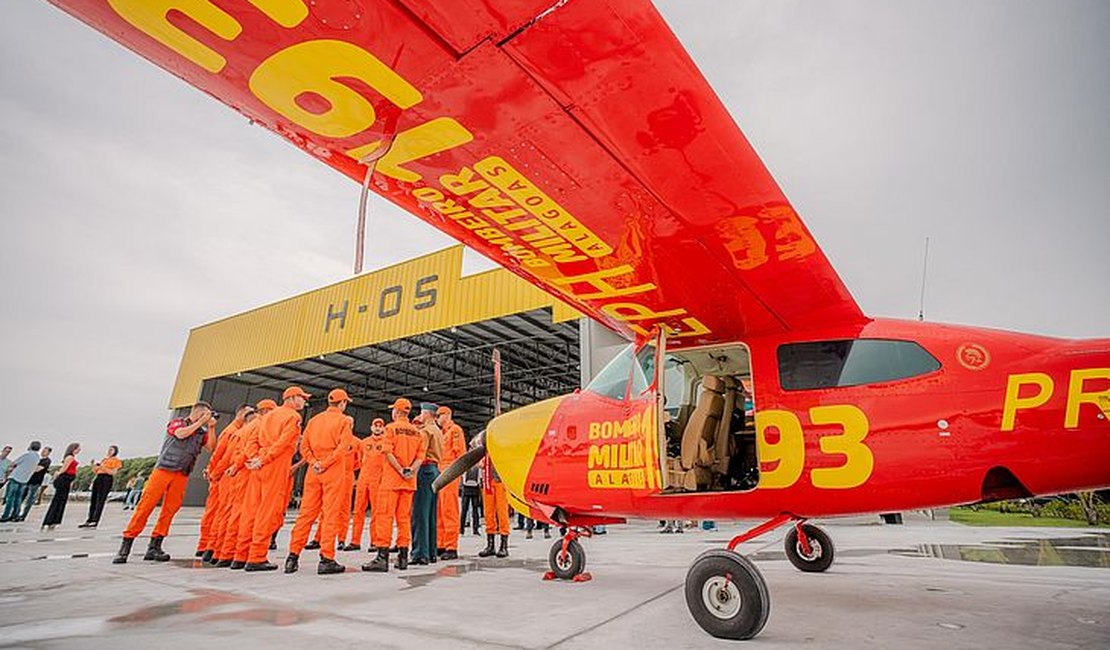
(726,595)
(821,548)
(567,565)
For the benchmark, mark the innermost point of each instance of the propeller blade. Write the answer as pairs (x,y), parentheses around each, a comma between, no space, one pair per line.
(459,467)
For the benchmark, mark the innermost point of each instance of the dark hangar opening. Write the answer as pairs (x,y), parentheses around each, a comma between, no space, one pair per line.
(453,366)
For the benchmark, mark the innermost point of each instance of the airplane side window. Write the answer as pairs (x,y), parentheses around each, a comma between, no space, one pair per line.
(613,379)
(852,362)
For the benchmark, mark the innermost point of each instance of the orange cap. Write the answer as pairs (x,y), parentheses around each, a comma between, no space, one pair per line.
(377,421)
(338,395)
(402,404)
(294,391)
(266,404)
(443,410)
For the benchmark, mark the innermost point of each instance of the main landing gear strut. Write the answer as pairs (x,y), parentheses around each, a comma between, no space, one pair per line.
(726,593)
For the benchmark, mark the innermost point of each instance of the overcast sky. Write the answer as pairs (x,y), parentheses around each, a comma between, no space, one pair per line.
(135,207)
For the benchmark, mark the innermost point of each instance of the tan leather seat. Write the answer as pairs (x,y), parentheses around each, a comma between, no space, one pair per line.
(722,442)
(701,429)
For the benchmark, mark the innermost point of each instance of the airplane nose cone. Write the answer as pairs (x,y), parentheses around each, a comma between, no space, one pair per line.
(513,439)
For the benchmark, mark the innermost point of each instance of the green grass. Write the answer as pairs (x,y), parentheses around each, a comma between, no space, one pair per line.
(970,517)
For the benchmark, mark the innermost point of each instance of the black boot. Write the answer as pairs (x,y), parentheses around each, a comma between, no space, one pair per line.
(379,564)
(199,554)
(449,554)
(488,550)
(312,546)
(273,542)
(223,564)
(328,566)
(252,567)
(402,559)
(236,565)
(207,557)
(154,551)
(350,547)
(504,550)
(291,564)
(124,551)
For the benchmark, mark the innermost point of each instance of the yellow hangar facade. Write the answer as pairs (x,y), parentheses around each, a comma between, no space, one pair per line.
(418,329)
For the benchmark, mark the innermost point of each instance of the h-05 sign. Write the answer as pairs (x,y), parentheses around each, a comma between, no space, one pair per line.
(384,303)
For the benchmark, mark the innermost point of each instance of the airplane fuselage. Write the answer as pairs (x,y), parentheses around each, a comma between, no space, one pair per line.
(1004,415)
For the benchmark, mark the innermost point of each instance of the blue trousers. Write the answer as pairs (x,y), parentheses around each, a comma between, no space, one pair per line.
(13,498)
(30,495)
(424,514)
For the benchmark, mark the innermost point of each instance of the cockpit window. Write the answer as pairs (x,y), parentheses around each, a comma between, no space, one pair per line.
(612,381)
(851,362)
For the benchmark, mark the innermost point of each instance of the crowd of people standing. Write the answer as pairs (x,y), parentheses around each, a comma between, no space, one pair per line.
(24,480)
(388,473)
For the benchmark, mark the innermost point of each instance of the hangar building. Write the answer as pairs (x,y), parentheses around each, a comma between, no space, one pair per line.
(419,329)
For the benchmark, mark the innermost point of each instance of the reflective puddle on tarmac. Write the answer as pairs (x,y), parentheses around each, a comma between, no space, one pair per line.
(1086,550)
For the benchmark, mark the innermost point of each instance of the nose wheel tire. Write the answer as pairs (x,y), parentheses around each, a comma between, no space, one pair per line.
(820,555)
(726,595)
(567,565)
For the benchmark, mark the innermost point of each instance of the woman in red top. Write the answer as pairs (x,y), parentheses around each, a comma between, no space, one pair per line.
(66,473)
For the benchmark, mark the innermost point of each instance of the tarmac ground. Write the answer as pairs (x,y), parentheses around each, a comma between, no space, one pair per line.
(922,584)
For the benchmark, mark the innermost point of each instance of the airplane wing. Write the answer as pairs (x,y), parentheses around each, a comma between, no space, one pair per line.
(573,142)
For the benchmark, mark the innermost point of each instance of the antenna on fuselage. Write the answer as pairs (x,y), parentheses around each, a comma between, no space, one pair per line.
(924,276)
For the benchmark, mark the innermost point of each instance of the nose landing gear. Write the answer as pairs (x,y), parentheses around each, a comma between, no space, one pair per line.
(567,558)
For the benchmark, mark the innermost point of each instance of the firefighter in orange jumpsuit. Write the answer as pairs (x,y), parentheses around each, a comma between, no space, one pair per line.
(270,454)
(403,449)
(369,480)
(180,447)
(236,478)
(208,521)
(279,520)
(495,504)
(325,448)
(343,515)
(447,519)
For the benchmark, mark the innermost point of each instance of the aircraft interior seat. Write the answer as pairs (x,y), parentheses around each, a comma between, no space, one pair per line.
(722,439)
(696,458)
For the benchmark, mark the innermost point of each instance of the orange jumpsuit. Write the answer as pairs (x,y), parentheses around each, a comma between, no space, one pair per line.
(209,519)
(251,490)
(276,442)
(343,515)
(495,503)
(369,480)
(231,492)
(408,445)
(447,516)
(327,441)
(165,486)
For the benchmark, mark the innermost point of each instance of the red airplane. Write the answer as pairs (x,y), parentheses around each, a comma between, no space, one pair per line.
(577,144)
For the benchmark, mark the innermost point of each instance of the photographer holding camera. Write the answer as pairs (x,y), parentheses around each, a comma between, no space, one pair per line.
(184,439)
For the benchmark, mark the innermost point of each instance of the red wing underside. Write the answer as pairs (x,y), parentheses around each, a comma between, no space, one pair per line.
(575,143)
